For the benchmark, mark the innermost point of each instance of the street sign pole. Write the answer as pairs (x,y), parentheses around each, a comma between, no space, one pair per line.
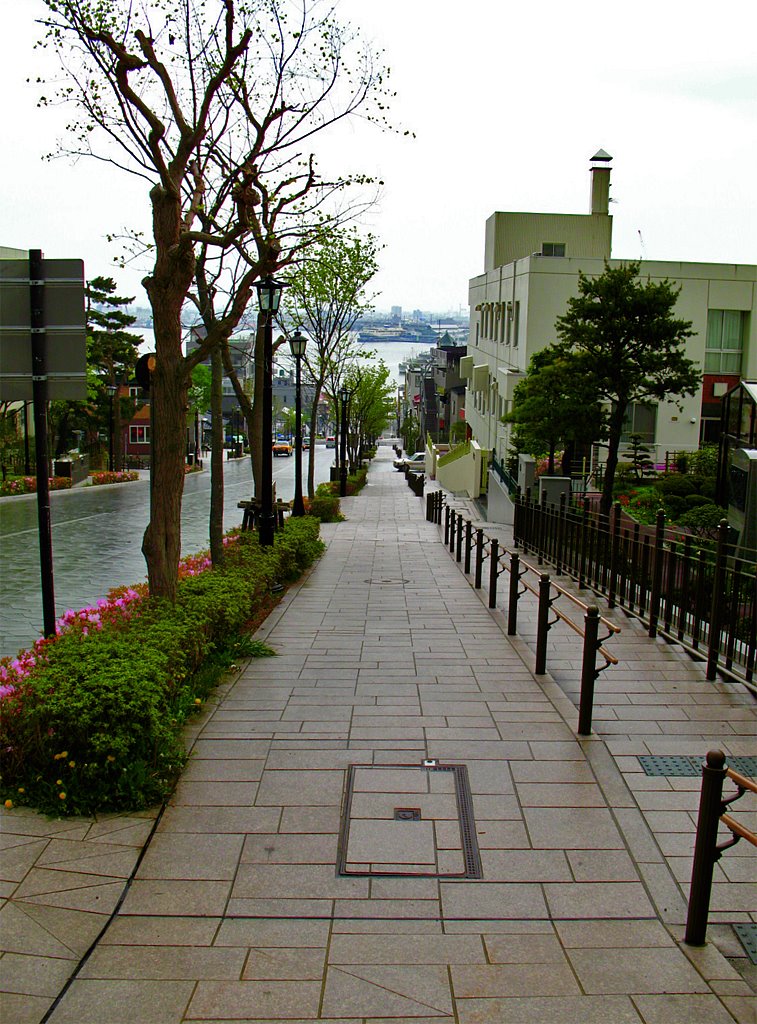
(39,400)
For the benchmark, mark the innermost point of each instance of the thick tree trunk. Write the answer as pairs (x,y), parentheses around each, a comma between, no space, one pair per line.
(167,287)
(613,443)
(216,457)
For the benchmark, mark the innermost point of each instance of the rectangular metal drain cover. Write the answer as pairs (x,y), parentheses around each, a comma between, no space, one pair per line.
(747,933)
(662,764)
(408,820)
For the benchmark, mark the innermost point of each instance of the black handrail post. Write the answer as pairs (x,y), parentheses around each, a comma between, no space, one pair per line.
(614,556)
(468,538)
(452,525)
(493,571)
(512,607)
(654,597)
(588,669)
(560,534)
(446,525)
(479,557)
(439,507)
(583,542)
(542,625)
(459,550)
(705,847)
(718,589)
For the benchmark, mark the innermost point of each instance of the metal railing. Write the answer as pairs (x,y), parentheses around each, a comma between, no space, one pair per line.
(688,589)
(712,811)
(458,537)
(505,478)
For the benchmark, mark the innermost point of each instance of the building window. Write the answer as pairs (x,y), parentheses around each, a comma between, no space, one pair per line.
(516,323)
(134,392)
(725,340)
(139,435)
(553,248)
(640,419)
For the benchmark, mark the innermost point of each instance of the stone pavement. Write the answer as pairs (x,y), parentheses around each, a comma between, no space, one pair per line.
(386,657)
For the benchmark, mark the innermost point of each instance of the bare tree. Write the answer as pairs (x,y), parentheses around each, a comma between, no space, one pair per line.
(215,105)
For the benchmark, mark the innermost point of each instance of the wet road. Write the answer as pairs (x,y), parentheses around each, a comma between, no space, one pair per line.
(97,538)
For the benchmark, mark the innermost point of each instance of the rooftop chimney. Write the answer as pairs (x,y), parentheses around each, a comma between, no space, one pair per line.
(600,182)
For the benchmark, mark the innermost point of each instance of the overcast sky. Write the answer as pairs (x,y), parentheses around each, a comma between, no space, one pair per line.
(508,103)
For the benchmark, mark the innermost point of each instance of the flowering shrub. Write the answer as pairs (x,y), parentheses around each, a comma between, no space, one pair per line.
(28,485)
(106,477)
(92,717)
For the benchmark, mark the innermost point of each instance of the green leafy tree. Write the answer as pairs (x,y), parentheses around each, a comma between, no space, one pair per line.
(326,296)
(371,405)
(214,104)
(632,347)
(554,404)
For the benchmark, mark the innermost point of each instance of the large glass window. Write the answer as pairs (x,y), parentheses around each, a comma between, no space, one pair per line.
(640,419)
(725,340)
(139,435)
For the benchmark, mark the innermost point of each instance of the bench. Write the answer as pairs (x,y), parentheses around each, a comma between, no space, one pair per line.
(252,510)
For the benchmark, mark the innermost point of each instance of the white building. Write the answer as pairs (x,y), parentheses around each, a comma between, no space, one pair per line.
(532,262)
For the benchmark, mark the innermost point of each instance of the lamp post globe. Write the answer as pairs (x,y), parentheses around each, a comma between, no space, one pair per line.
(269,295)
(297,344)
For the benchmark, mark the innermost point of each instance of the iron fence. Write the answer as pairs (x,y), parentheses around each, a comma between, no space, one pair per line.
(686,588)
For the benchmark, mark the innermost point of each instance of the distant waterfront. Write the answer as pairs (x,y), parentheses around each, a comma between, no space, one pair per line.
(392,352)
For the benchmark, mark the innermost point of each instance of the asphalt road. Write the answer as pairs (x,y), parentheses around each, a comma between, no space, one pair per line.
(97,538)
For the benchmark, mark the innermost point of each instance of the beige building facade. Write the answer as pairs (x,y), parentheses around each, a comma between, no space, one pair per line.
(532,264)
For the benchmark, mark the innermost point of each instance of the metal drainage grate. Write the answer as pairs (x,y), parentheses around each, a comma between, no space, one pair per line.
(672,765)
(747,933)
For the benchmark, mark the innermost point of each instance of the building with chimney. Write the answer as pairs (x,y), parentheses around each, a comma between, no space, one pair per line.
(531,267)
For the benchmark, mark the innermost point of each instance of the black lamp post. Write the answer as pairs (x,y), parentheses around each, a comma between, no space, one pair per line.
(297,344)
(344,397)
(111,389)
(269,295)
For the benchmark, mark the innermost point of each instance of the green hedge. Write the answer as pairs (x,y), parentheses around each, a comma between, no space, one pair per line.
(96,724)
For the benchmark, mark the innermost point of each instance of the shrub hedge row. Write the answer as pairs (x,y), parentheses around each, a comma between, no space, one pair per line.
(92,719)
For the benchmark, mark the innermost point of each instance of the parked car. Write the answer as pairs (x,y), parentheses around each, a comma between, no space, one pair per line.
(331,442)
(282,448)
(415,462)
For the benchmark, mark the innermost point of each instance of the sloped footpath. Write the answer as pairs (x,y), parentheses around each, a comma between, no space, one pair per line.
(266,893)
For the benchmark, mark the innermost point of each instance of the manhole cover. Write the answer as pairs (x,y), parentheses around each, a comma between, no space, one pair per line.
(747,933)
(383,834)
(391,581)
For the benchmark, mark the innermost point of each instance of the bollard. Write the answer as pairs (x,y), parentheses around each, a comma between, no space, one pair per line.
(656,594)
(446,526)
(493,572)
(459,550)
(542,625)
(452,524)
(430,507)
(588,670)
(468,537)
(705,847)
(479,557)
(716,608)
(512,607)
(439,507)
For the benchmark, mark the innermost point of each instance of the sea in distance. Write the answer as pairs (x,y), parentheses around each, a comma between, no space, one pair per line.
(392,352)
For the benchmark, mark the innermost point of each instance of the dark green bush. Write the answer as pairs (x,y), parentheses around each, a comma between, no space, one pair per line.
(708,488)
(674,484)
(704,520)
(693,500)
(97,723)
(326,507)
(674,505)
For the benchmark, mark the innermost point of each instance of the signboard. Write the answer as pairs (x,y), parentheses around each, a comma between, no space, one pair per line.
(65,330)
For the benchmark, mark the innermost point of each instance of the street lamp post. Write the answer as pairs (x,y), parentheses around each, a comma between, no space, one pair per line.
(112,389)
(297,344)
(344,396)
(269,295)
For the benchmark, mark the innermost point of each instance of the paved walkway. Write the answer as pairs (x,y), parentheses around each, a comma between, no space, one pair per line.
(386,657)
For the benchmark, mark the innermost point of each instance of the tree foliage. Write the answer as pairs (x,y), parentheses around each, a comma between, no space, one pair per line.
(632,347)
(553,404)
(215,104)
(326,295)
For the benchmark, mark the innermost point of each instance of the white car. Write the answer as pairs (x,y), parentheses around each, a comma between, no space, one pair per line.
(415,462)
